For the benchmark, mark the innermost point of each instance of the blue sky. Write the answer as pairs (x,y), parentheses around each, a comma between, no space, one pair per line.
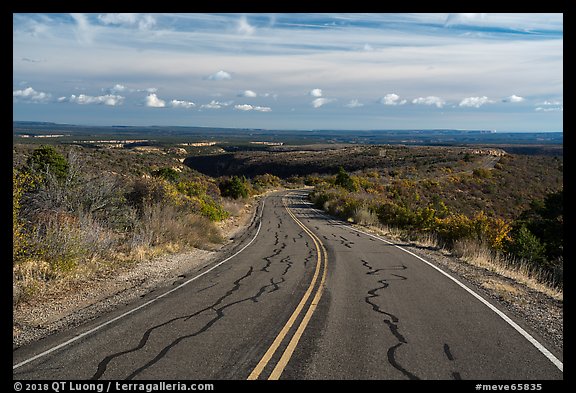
(291,71)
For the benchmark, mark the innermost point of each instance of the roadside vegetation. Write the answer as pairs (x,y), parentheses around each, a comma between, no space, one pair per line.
(501,211)
(81,212)
(507,218)
(73,220)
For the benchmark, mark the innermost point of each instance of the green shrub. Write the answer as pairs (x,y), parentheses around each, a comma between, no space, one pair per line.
(545,220)
(453,228)
(145,192)
(266,181)
(235,187)
(312,180)
(319,199)
(425,219)
(212,210)
(526,246)
(169,174)
(46,159)
(191,188)
(21,183)
(344,180)
(392,214)
(482,173)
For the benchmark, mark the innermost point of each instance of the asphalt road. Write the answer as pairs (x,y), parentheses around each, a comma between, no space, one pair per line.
(300,296)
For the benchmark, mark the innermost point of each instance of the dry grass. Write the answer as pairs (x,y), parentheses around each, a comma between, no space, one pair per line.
(233,206)
(37,279)
(70,251)
(364,216)
(388,231)
(427,240)
(163,224)
(503,289)
(479,255)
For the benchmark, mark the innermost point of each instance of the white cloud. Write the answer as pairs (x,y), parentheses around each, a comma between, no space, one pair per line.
(83,99)
(248,107)
(84,31)
(513,98)
(244,107)
(263,109)
(248,93)
(392,99)
(117,89)
(211,105)
(273,95)
(118,18)
(525,22)
(146,90)
(112,100)
(146,22)
(550,109)
(152,101)
(34,28)
(244,27)
(403,53)
(142,21)
(430,100)
(354,104)
(30,95)
(182,104)
(215,104)
(551,103)
(475,102)
(464,18)
(219,76)
(316,92)
(318,102)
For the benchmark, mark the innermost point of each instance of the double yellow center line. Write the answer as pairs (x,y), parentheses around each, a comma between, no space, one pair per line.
(321,265)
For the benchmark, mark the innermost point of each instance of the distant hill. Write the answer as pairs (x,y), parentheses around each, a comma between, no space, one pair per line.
(175,134)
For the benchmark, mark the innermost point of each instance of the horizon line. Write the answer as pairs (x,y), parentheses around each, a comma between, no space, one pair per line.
(290,129)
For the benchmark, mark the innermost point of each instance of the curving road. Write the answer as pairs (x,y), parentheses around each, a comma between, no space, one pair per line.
(300,296)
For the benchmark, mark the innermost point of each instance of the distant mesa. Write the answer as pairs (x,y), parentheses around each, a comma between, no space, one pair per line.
(198,144)
(268,143)
(488,152)
(42,136)
(177,150)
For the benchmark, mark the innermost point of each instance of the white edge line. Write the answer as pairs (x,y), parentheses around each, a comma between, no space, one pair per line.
(76,338)
(519,329)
